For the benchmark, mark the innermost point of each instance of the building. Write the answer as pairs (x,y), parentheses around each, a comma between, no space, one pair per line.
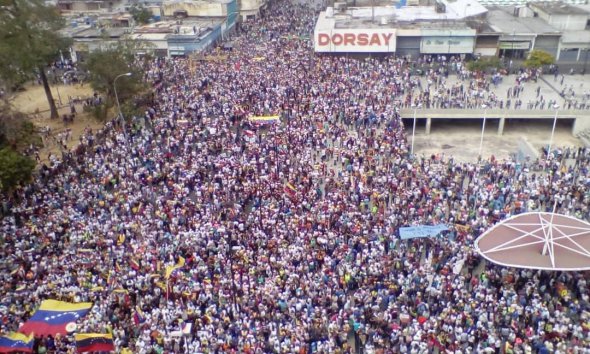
(250,9)
(188,29)
(521,32)
(461,27)
(88,39)
(573,22)
(441,28)
(90,6)
(523,2)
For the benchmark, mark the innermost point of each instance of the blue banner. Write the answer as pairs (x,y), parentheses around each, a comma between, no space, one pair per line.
(406,233)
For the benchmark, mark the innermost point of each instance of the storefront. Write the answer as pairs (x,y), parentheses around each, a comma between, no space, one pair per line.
(458,41)
(514,49)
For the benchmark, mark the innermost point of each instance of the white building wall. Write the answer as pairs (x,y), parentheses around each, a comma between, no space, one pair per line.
(568,22)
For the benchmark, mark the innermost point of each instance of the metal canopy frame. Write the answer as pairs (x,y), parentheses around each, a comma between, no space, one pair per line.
(538,240)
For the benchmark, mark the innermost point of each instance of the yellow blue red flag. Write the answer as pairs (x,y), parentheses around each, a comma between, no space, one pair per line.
(17,342)
(55,317)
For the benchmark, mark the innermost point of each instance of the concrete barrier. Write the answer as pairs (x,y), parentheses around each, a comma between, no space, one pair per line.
(581,117)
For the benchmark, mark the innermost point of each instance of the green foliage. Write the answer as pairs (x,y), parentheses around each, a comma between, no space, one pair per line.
(29,40)
(16,131)
(538,58)
(484,64)
(106,64)
(15,169)
(140,14)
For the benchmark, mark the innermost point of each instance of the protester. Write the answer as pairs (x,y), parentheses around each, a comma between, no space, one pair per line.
(263,267)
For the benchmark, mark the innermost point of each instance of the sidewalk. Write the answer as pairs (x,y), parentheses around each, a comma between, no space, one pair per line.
(549,89)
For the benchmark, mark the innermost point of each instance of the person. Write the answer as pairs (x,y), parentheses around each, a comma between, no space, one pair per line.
(284,237)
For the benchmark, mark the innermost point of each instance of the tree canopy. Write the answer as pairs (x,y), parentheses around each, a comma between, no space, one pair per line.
(29,40)
(106,64)
(140,14)
(538,58)
(16,135)
(15,169)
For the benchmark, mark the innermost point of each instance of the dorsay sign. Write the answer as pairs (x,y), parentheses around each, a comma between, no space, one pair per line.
(376,40)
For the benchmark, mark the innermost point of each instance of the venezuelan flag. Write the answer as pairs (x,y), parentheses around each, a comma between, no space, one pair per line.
(54,317)
(134,264)
(16,342)
(290,190)
(171,269)
(94,342)
(138,316)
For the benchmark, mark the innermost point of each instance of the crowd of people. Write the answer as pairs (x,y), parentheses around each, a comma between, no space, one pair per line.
(286,235)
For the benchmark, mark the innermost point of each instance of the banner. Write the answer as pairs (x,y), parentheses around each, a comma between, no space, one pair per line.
(264,119)
(410,232)
(447,45)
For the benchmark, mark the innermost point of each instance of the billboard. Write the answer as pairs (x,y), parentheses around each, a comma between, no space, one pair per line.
(447,45)
(355,40)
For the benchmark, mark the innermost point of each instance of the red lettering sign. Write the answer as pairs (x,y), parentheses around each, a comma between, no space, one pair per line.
(323,39)
(354,39)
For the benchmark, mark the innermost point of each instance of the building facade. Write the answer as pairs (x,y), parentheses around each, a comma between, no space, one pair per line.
(461,27)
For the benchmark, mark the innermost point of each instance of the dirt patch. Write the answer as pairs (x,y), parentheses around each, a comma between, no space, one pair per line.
(34,100)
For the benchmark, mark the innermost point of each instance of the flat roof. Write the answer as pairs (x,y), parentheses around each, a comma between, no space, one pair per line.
(187,27)
(558,8)
(72,31)
(112,32)
(197,2)
(424,17)
(150,36)
(502,20)
(456,10)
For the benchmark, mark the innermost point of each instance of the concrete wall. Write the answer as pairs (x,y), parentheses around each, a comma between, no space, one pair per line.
(568,22)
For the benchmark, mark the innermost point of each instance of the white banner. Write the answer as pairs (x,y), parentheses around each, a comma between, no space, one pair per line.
(447,45)
(355,40)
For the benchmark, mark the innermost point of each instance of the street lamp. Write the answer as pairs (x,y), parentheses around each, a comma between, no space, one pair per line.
(556,107)
(119,105)
(483,127)
(414,126)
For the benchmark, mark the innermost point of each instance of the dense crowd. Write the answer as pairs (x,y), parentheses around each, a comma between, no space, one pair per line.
(318,267)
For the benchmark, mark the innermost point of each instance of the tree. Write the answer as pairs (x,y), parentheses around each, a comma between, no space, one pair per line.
(15,169)
(29,40)
(106,64)
(16,131)
(140,14)
(538,58)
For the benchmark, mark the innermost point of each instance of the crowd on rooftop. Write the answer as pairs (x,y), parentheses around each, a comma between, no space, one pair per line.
(316,268)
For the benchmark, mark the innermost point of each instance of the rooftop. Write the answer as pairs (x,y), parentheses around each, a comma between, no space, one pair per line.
(197,2)
(113,32)
(559,8)
(501,19)
(455,10)
(186,27)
